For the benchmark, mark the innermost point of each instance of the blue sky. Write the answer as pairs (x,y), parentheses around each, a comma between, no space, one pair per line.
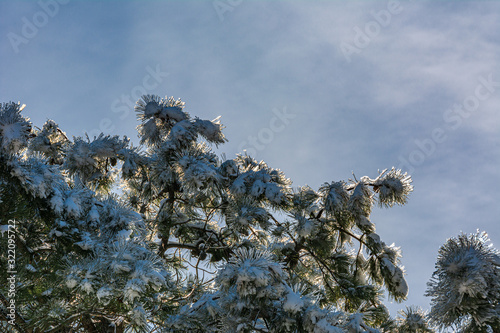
(319,89)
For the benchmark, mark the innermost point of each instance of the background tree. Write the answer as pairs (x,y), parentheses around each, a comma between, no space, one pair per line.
(465,287)
(193,242)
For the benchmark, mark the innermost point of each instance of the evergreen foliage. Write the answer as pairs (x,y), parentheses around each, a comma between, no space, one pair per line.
(196,243)
(465,287)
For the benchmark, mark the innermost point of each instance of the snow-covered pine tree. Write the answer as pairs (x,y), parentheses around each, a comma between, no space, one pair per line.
(83,260)
(465,287)
(193,243)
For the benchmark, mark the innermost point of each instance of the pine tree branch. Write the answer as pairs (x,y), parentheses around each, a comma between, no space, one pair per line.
(19,322)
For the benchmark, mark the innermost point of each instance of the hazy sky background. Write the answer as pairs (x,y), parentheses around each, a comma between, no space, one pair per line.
(360,95)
